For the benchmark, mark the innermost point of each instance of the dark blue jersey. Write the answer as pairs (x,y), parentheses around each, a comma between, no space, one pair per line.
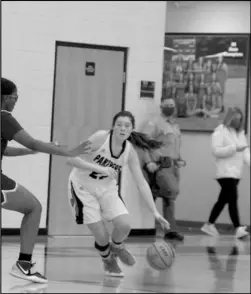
(9,128)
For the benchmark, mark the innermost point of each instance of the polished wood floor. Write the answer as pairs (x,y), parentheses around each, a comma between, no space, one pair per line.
(203,265)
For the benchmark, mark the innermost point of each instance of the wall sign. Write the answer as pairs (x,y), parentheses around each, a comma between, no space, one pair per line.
(90,69)
(147,89)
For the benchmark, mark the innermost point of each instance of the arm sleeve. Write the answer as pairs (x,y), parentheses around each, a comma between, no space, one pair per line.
(247,156)
(219,150)
(9,127)
(246,152)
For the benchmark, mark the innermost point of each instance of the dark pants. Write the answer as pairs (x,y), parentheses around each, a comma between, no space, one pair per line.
(165,184)
(228,195)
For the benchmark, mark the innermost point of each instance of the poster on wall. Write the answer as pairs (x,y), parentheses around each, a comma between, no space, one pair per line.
(147,89)
(205,74)
(90,68)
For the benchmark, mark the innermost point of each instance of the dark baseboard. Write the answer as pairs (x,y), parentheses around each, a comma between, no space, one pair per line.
(43,232)
(186,226)
(142,232)
(16,232)
(194,225)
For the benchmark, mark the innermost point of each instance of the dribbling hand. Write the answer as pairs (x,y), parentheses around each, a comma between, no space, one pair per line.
(163,222)
(241,148)
(152,167)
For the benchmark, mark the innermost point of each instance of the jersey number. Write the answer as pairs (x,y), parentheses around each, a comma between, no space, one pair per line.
(97,176)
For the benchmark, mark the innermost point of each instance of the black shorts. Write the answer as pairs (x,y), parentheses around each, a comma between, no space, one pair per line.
(7,184)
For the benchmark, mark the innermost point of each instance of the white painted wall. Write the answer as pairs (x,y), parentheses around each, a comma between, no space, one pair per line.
(208,17)
(29,32)
(199,190)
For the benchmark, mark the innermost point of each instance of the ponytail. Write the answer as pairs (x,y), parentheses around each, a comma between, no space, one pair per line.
(142,141)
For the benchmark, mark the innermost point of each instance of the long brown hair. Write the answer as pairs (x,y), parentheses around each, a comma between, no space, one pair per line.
(138,139)
(232,111)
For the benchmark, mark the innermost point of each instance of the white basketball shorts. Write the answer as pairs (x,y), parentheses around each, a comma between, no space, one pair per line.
(96,204)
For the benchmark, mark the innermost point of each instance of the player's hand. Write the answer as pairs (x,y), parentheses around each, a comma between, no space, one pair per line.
(110,172)
(82,148)
(241,148)
(152,167)
(181,162)
(163,222)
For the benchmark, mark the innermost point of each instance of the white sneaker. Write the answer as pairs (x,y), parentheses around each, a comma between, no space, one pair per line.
(22,270)
(111,266)
(210,230)
(241,233)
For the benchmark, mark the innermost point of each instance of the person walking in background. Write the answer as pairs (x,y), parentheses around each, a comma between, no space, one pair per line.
(231,150)
(164,162)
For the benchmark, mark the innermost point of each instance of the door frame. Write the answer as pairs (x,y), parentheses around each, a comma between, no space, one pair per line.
(86,46)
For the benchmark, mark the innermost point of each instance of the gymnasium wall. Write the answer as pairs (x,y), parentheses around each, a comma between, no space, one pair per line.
(29,32)
(199,190)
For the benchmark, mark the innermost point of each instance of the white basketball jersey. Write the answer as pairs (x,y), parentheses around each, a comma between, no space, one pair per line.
(103,157)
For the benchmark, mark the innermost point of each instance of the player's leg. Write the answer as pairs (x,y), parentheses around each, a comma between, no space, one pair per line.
(119,235)
(17,198)
(103,246)
(86,210)
(114,209)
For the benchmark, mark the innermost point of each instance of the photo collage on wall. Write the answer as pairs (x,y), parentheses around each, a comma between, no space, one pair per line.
(205,74)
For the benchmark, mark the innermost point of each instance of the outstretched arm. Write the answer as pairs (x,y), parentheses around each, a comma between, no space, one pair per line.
(17,151)
(23,138)
(12,130)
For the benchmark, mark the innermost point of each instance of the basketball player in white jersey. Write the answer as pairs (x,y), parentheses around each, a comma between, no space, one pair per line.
(93,188)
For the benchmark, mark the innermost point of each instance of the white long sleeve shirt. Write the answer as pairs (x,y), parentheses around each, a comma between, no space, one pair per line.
(229,162)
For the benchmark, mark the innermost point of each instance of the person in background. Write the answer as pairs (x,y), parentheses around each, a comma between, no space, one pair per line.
(200,96)
(180,89)
(231,151)
(214,67)
(200,65)
(208,103)
(190,66)
(217,95)
(191,100)
(164,163)
(208,72)
(222,76)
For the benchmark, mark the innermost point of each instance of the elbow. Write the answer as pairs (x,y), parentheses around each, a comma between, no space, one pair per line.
(215,153)
(32,145)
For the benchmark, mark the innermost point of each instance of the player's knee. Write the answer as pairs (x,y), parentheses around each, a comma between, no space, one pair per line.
(37,207)
(102,238)
(124,227)
(33,206)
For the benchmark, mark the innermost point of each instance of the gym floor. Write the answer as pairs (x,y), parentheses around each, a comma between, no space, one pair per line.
(203,264)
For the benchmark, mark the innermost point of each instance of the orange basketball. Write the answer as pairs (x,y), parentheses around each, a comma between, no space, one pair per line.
(160,256)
